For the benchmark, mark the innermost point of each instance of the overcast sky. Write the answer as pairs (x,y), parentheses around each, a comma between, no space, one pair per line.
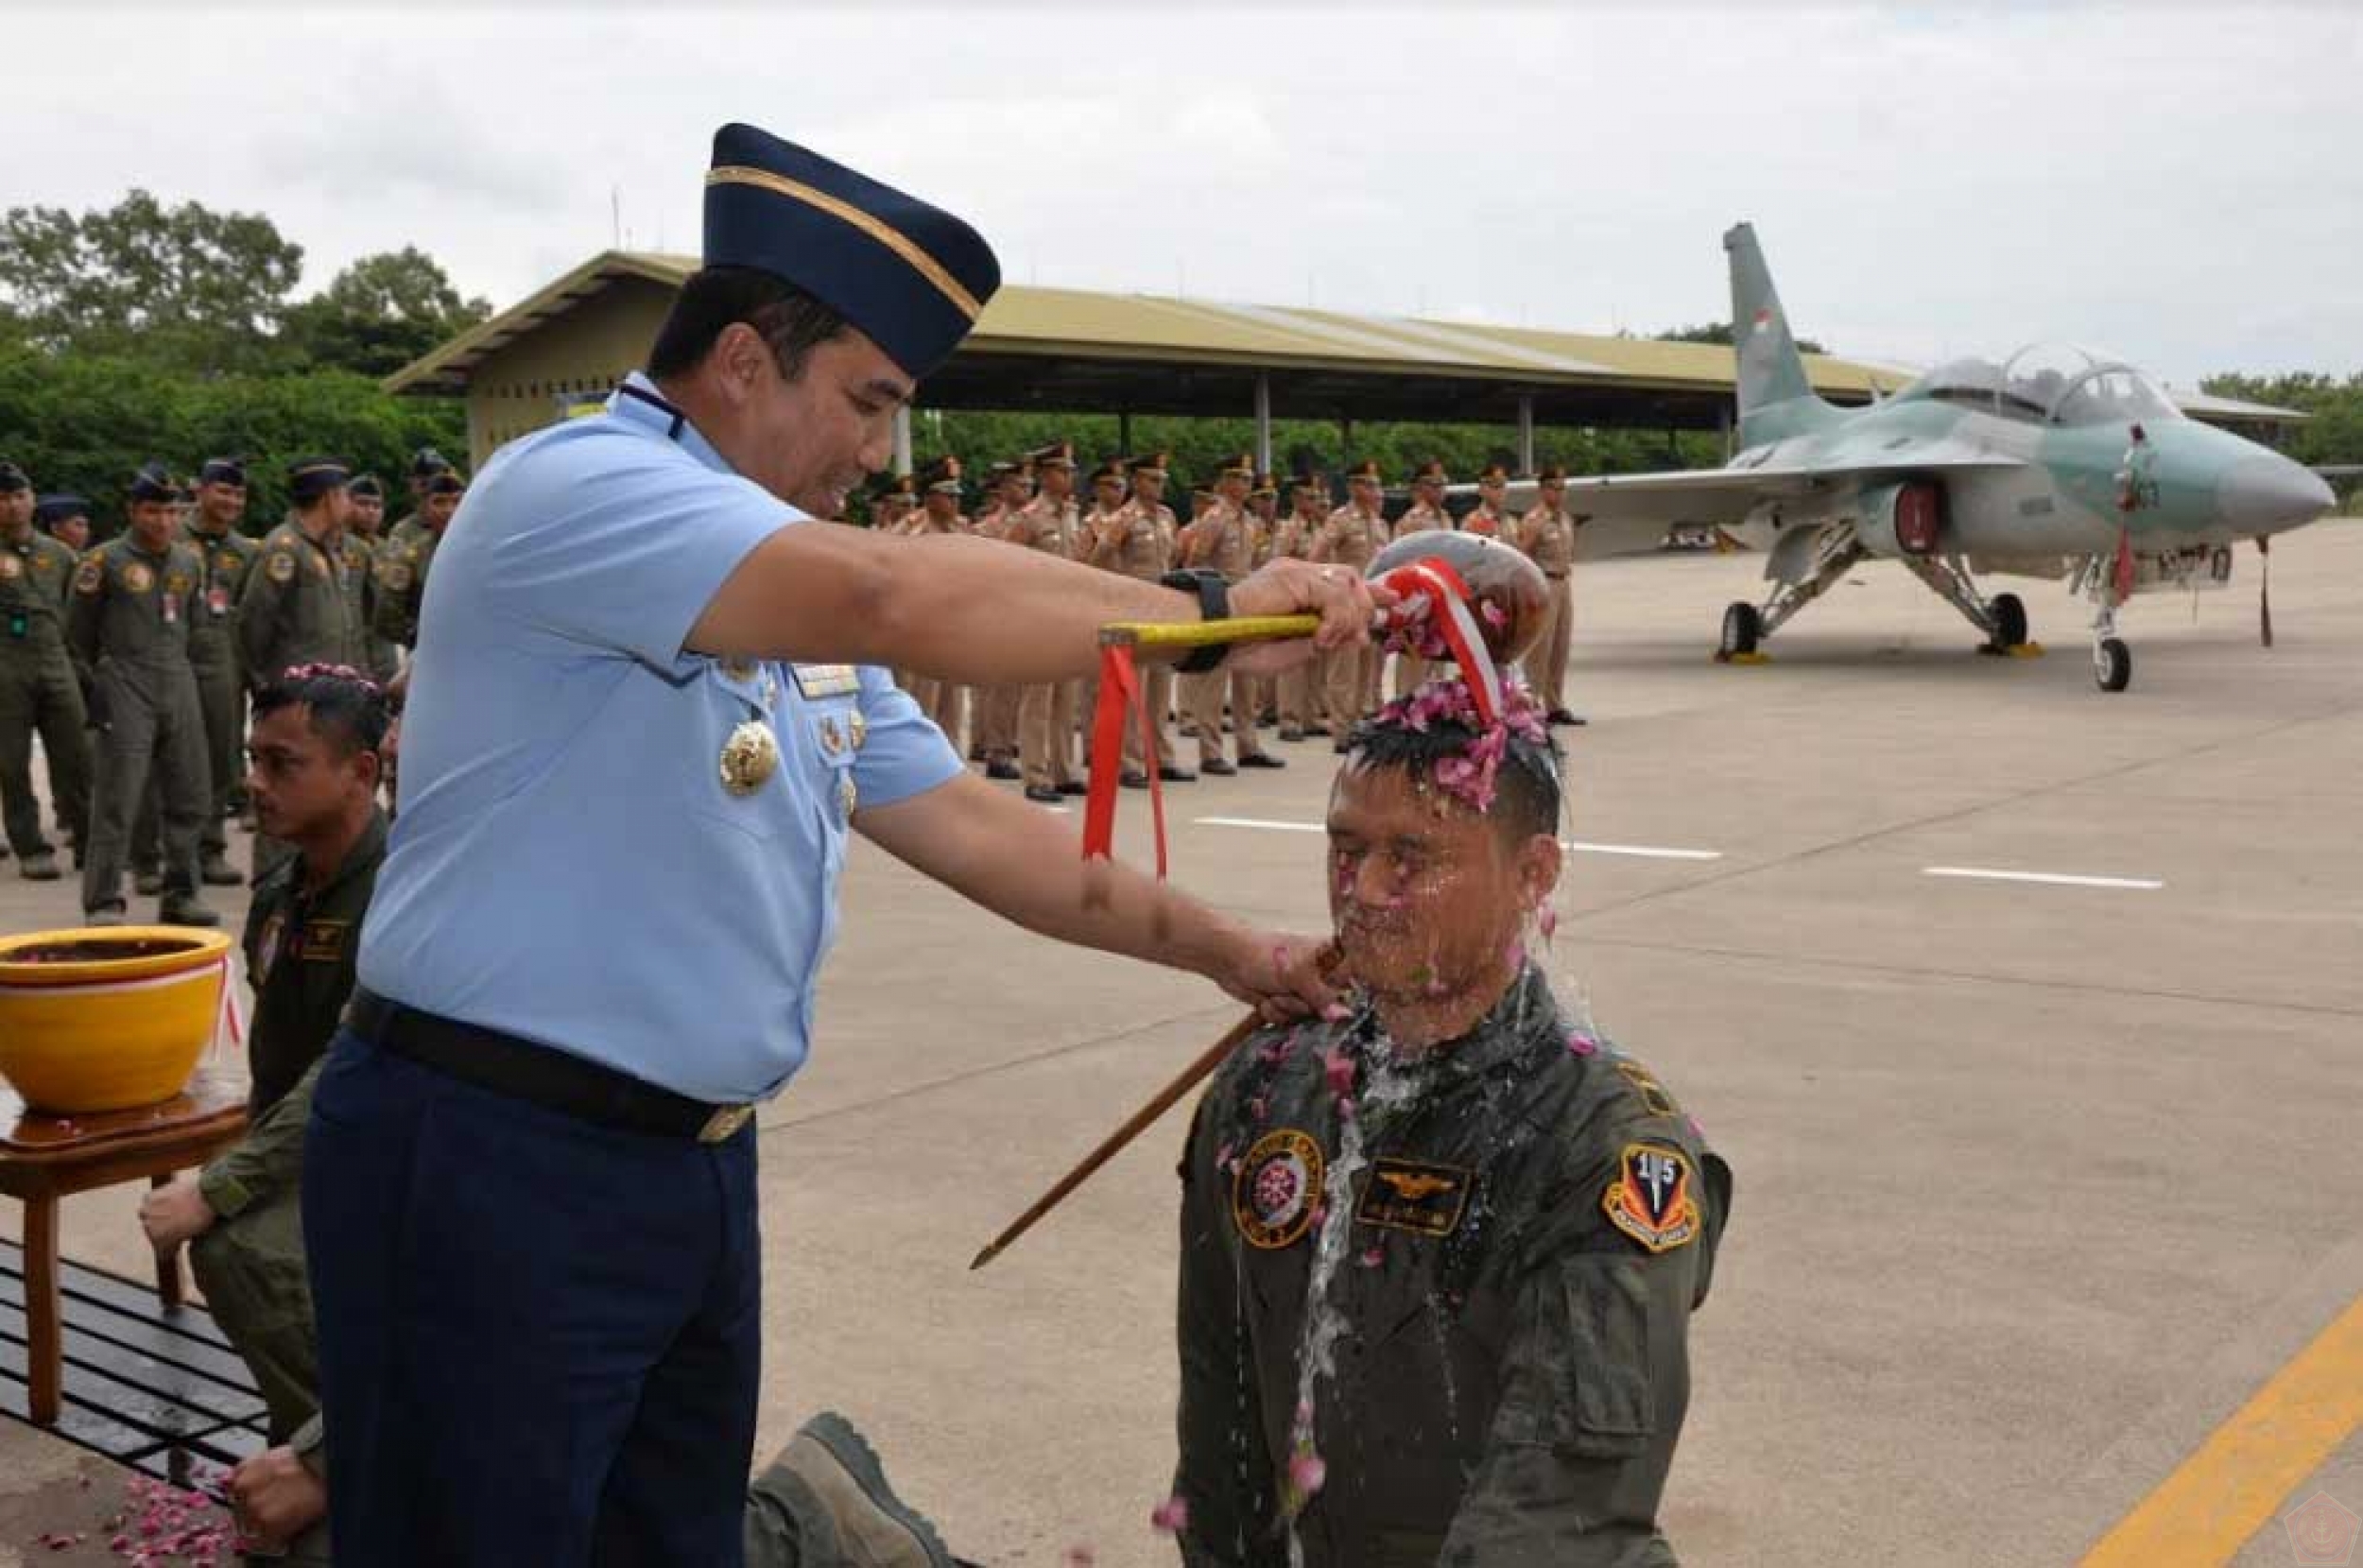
(2180,183)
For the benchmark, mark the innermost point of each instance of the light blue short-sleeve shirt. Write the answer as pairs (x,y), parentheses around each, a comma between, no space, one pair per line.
(569,865)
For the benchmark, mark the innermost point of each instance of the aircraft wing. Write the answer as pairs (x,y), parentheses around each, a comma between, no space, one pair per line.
(1727,495)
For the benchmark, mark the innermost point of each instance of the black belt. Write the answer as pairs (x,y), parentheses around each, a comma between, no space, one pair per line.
(553,1080)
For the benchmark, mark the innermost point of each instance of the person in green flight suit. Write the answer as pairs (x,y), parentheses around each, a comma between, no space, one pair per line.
(1440,1253)
(39,695)
(227,555)
(365,538)
(297,608)
(403,563)
(128,628)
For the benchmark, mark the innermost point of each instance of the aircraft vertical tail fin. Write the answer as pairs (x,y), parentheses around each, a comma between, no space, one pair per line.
(1771,372)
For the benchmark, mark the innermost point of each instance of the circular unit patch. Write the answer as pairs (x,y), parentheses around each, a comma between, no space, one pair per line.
(1276,1187)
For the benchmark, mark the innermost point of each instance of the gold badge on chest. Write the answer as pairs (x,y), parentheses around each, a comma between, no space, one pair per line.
(749,757)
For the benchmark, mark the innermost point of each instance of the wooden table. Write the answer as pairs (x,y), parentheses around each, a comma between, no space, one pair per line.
(43,1159)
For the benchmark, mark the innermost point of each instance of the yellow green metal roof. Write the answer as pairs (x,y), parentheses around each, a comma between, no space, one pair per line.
(1070,324)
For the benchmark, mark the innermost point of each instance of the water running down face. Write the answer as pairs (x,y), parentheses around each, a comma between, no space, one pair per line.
(1442,848)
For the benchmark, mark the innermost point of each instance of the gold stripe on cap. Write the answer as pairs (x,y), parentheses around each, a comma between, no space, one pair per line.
(886,234)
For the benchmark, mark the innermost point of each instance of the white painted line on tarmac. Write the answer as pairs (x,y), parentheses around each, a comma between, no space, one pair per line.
(2048,879)
(1645,851)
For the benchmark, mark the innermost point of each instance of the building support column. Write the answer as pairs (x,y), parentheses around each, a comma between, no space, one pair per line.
(1723,428)
(903,440)
(1526,433)
(1263,423)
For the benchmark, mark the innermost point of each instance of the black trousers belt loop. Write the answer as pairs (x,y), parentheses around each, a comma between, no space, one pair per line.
(553,1080)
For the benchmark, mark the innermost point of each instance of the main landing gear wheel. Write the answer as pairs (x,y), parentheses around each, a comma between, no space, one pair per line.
(2113,664)
(1742,628)
(2010,622)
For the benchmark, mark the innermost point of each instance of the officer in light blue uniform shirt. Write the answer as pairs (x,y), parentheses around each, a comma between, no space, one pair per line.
(646,709)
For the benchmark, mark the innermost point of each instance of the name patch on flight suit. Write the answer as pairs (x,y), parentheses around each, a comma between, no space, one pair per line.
(820,681)
(1418,1196)
(1276,1189)
(322,942)
(1650,1200)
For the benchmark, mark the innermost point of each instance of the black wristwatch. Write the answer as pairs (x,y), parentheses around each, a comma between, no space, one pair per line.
(1213,604)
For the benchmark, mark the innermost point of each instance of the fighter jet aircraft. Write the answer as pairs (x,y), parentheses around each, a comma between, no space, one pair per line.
(2056,463)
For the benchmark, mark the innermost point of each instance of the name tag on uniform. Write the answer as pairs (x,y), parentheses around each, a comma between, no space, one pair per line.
(323,942)
(819,680)
(1414,1195)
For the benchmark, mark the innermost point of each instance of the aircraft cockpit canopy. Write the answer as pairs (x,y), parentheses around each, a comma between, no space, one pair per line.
(2049,384)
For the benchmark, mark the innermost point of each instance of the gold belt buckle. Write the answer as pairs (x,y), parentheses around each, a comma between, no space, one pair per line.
(725,1122)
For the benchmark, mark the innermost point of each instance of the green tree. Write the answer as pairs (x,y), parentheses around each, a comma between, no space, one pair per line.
(381,313)
(1720,332)
(182,285)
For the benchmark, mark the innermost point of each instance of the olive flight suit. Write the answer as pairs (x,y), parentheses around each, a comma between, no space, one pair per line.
(227,557)
(297,609)
(128,626)
(39,695)
(1521,1223)
(301,945)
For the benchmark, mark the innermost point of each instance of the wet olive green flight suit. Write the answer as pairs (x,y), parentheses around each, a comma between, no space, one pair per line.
(228,557)
(39,694)
(128,626)
(1517,1265)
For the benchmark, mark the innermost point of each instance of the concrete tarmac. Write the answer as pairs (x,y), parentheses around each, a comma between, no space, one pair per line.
(2038,1180)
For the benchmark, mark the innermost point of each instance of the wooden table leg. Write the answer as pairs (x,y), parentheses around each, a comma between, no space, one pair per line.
(44,1347)
(167,1260)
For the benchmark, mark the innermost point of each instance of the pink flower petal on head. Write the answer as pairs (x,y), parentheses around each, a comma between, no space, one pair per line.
(1339,1068)
(1308,1473)
(1582,1044)
(1170,1517)
(1374,1256)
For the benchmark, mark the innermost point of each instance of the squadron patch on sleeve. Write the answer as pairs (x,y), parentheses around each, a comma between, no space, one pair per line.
(393,574)
(11,565)
(1276,1189)
(1414,1195)
(1650,1200)
(280,567)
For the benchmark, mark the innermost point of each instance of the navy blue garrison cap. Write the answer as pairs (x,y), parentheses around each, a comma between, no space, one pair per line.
(50,511)
(312,477)
(12,479)
(222,471)
(911,276)
(368,488)
(153,483)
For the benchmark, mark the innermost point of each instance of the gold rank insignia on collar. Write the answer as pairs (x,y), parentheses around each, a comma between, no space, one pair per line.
(818,680)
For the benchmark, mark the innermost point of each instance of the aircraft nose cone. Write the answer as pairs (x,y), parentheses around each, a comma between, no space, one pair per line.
(2261,494)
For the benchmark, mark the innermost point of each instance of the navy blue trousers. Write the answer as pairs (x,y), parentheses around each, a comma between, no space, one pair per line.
(540,1339)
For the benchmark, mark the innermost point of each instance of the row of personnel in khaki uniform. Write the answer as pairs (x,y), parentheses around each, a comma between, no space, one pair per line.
(132,663)
(1236,525)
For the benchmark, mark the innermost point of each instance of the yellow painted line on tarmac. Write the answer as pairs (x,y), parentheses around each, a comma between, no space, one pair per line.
(2203,1514)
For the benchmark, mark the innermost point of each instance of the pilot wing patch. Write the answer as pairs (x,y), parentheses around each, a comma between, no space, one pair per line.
(1650,1200)
(1418,1196)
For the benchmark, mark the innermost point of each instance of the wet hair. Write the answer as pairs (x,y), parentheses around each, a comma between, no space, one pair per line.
(790,321)
(1525,788)
(344,706)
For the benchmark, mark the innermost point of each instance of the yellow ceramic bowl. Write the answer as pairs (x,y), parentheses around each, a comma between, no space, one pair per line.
(107,1017)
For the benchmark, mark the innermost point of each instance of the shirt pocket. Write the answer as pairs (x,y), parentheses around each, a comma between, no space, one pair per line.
(735,711)
(1580,1379)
